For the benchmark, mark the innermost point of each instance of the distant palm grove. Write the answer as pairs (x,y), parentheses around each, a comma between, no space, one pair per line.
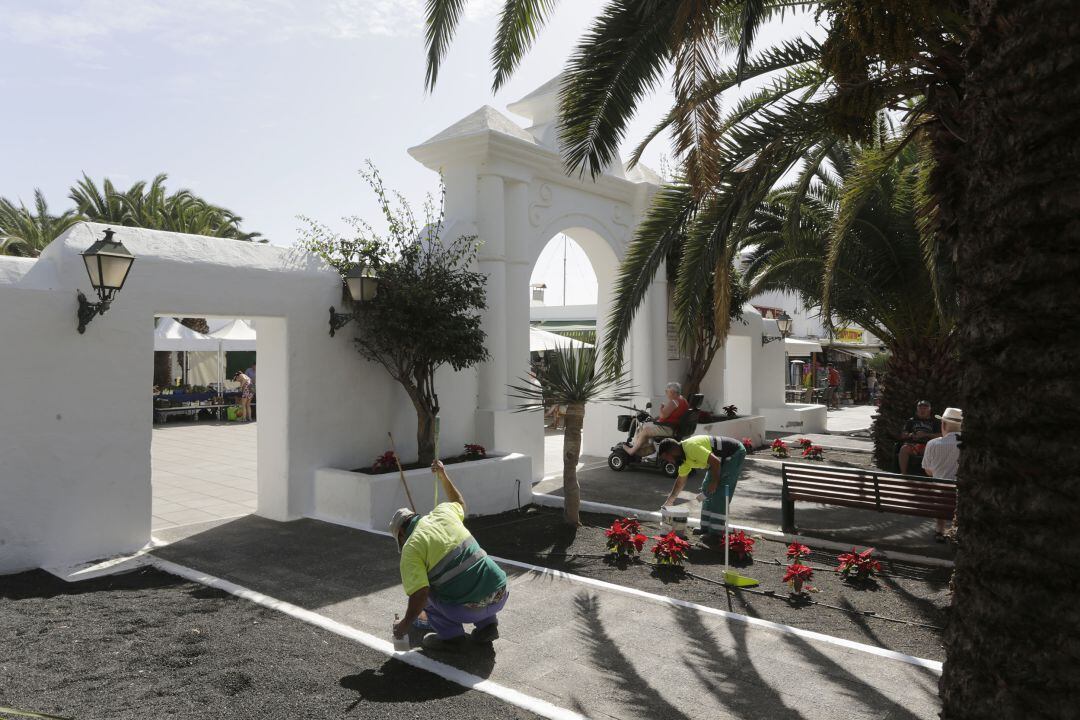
(25,231)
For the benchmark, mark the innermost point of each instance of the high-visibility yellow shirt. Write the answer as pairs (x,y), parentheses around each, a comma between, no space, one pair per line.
(697,450)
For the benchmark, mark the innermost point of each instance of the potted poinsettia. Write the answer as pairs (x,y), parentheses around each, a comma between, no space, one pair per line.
(384,462)
(857,565)
(475,452)
(730,411)
(797,575)
(779,449)
(670,550)
(624,538)
(740,545)
(749,445)
(813,452)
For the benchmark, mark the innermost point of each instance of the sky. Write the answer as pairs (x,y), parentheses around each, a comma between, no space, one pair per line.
(267,107)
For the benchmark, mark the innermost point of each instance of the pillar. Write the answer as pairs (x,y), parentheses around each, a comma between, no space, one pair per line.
(491,225)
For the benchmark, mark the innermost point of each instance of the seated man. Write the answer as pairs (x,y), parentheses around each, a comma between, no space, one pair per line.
(447,574)
(674,407)
(722,457)
(917,431)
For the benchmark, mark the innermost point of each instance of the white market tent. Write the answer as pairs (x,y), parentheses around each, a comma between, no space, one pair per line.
(170,335)
(237,335)
(541,340)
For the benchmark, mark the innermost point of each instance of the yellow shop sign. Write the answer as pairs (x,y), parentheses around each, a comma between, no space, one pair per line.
(850,336)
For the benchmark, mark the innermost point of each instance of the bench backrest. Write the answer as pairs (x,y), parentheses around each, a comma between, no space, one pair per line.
(870,490)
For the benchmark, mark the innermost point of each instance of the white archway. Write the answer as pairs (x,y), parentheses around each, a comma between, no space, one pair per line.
(507,185)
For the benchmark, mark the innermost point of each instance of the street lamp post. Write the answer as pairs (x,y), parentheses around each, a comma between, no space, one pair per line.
(108,263)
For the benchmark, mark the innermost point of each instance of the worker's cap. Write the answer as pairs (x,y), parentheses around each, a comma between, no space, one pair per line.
(401,517)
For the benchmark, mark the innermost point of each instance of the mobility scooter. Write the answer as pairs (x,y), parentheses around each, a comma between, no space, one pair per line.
(620,459)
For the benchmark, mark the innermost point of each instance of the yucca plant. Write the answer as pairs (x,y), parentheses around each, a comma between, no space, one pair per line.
(572,379)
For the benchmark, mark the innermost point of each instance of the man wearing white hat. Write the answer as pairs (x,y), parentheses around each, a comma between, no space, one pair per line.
(942,455)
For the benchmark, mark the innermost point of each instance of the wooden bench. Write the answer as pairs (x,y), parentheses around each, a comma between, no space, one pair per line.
(865,490)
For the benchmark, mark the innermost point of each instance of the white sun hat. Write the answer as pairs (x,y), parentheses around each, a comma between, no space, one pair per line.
(953,415)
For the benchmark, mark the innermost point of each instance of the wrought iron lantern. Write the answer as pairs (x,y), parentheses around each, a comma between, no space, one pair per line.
(108,263)
(363,284)
(783,324)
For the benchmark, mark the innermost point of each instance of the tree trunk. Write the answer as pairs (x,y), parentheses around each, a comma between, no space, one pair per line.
(1014,632)
(163,368)
(918,369)
(572,422)
(425,428)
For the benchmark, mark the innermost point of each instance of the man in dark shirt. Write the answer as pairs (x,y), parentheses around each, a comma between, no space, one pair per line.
(920,428)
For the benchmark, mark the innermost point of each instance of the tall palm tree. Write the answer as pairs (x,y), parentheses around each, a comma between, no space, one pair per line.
(867,265)
(572,379)
(26,232)
(1011,642)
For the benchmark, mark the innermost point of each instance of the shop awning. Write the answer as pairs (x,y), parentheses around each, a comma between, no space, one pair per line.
(801,348)
(854,352)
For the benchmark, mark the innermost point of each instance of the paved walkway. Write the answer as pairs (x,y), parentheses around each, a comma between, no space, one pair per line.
(202,471)
(850,418)
(597,651)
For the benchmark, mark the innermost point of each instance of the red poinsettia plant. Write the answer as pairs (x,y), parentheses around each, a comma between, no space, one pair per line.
(748,444)
(740,545)
(813,452)
(796,551)
(804,442)
(624,538)
(474,451)
(670,549)
(797,576)
(731,411)
(779,449)
(386,461)
(857,565)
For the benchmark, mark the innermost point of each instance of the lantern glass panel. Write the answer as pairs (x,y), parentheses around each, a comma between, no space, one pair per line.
(93,269)
(114,270)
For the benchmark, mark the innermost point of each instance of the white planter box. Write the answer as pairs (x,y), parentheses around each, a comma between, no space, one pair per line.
(751,426)
(796,418)
(489,486)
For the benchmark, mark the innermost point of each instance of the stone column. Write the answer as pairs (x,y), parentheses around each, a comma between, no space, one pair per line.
(491,225)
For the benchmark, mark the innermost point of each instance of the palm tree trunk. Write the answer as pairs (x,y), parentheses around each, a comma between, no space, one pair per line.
(1011,643)
(572,422)
(163,368)
(922,368)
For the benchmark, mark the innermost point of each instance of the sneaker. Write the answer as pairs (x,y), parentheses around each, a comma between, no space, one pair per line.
(487,634)
(432,641)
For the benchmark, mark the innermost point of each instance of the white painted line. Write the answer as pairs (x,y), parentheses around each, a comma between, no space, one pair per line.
(786,629)
(418,660)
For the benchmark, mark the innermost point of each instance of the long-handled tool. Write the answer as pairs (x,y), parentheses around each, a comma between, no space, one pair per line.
(401,472)
(730,577)
(436,459)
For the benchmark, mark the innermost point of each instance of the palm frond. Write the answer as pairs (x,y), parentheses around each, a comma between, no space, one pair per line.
(519,23)
(442,19)
(572,377)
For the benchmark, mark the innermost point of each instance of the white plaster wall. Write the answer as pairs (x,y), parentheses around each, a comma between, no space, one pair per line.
(75,426)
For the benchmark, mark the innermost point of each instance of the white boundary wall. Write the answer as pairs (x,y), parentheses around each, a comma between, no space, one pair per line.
(75,410)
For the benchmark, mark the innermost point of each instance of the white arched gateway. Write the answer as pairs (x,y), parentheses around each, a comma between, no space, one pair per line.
(508,186)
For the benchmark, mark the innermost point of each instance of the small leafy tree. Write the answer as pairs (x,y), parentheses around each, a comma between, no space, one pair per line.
(427,310)
(572,379)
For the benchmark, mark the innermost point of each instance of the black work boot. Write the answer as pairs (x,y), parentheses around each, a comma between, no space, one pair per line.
(486,634)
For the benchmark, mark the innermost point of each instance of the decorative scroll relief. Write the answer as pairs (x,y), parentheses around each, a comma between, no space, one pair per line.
(544,202)
(620,215)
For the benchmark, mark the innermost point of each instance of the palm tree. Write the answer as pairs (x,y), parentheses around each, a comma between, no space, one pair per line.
(572,379)
(1011,638)
(150,206)
(26,232)
(867,265)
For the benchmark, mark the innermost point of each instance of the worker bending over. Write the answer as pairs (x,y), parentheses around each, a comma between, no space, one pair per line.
(447,574)
(722,459)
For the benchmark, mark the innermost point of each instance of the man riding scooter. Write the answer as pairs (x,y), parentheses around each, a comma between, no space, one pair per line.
(674,407)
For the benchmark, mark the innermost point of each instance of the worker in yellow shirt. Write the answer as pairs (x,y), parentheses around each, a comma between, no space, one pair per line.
(721,458)
(446,573)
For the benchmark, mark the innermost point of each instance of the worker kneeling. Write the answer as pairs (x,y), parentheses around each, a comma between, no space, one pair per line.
(447,574)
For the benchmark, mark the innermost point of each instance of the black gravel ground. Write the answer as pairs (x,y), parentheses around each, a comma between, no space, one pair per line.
(150,645)
(892,612)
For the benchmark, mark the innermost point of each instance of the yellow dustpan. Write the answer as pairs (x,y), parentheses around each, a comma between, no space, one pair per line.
(731,577)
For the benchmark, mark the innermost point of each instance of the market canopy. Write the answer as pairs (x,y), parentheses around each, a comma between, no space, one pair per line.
(541,340)
(237,335)
(170,335)
(801,348)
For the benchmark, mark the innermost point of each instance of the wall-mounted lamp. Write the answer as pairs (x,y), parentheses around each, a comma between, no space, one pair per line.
(363,284)
(108,263)
(783,324)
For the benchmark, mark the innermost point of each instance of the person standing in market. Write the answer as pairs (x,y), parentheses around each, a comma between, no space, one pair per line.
(722,459)
(446,574)
(834,386)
